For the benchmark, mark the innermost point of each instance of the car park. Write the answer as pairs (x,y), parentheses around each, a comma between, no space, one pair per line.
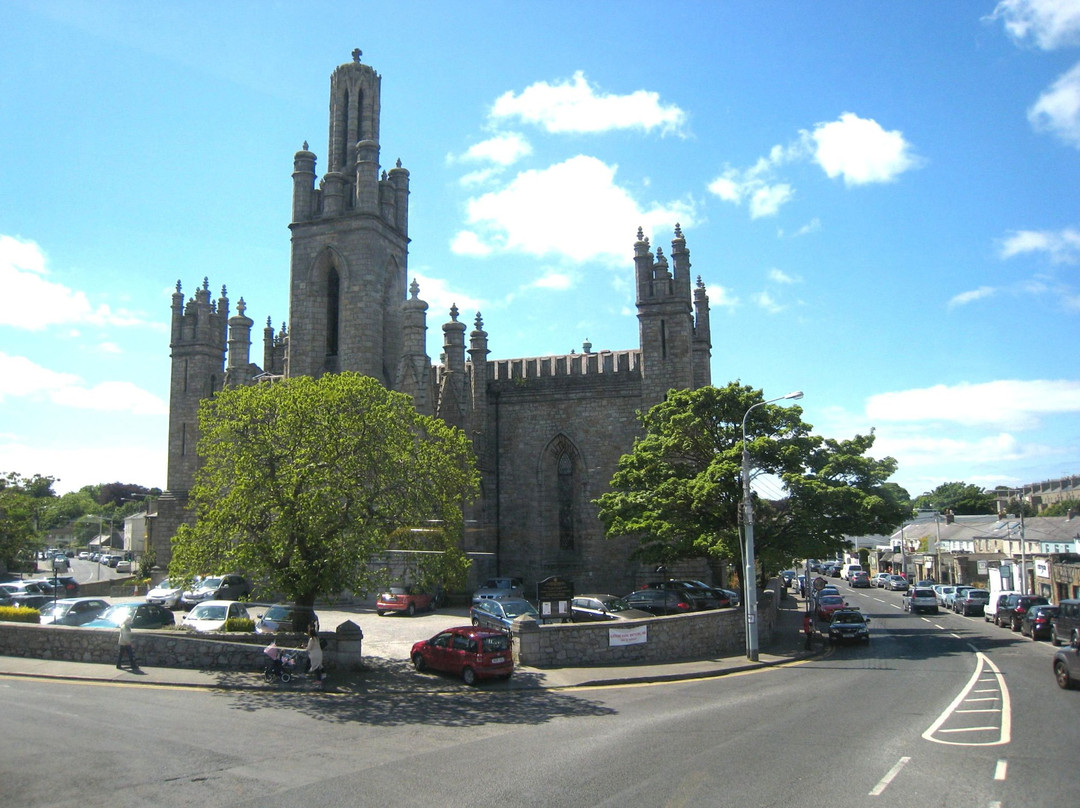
(141,614)
(828,604)
(701,596)
(167,593)
(1067,667)
(288,617)
(1038,621)
(849,625)
(214,615)
(896,583)
(217,587)
(598,608)
(920,599)
(404,599)
(1011,613)
(973,601)
(501,613)
(725,597)
(660,601)
(1066,626)
(473,653)
(858,580)
(72,611)
(494,588)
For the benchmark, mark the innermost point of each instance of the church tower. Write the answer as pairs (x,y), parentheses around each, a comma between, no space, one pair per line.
(349,243)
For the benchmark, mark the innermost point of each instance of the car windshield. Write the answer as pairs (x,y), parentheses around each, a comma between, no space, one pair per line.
(213,611)
(56,608)
(165,585)
(616,605)
(847,617)
(496,643)
(119,613)
(279,613)
(977,594)
(210,583)
(831,600)
(517,608)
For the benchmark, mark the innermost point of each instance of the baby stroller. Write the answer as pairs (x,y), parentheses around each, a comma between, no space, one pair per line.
(283,665)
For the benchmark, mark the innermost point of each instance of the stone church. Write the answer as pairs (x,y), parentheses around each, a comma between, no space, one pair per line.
(548,431)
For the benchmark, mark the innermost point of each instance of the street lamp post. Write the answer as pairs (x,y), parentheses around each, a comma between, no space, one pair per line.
(750,573)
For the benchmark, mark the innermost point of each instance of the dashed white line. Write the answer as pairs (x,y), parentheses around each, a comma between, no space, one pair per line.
(1000,769)
(889,777)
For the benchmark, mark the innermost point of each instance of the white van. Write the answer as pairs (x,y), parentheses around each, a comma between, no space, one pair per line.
(847,569)
(991,608)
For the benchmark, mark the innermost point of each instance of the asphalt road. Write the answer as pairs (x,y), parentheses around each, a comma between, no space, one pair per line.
(936,711)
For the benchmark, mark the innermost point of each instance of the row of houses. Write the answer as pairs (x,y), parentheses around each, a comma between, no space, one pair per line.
(1044,550)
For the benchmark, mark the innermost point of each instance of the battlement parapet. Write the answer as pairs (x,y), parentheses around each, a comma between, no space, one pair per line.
(566,365)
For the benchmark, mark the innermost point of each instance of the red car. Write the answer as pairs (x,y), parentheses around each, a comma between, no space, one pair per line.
(471,652)
(403,599)
(827,604)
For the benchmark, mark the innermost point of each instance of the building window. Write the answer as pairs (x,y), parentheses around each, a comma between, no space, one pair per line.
(333,302)
(566,502)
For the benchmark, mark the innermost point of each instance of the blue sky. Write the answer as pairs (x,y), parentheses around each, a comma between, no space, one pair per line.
(882,199)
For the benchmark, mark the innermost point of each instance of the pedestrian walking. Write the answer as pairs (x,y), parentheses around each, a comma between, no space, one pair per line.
(125,645)
(314,652)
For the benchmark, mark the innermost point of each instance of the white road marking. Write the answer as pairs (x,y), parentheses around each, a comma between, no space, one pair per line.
(998,734)
(999,770)
(889,777)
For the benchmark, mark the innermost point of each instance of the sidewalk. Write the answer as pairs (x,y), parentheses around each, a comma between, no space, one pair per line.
(391,675)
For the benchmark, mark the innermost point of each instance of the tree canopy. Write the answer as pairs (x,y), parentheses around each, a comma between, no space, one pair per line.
(305,481)
(23,500)
(680,489)
(960,498)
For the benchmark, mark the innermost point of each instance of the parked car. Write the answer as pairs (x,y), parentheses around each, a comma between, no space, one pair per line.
(828,589)
(921,600)
(1067,667)
(943,591)
(286,617)
(1066,626)
(166,594)
(595,608)
(950,597)
(702,596)
(30,600)
(828,604)
(466,651)
(213,615)
(62,586)
(1011,613)
(849,625)
(123,565)
(142,614)
(72,611)
(660,601)
(23,588)
(858,580)
(973,601)
(500,613)
(217,587)
(896,583)
(499,588)
(404,599)
(84,556)
(1037,622)
(880,578)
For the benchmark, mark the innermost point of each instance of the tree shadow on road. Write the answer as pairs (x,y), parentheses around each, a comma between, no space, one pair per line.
(391,693)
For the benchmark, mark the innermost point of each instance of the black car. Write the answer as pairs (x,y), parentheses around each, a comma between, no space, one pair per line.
(286,617)
(1016,606)
(661,601)
(1066,628)
(701,596)
(849,625)
(65,586)
(1037,622)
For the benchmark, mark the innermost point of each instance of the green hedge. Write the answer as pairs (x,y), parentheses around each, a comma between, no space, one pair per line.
(239,624)
(17,614)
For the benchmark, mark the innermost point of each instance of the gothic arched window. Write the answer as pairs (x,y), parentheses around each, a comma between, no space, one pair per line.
(333,302)
(566,501)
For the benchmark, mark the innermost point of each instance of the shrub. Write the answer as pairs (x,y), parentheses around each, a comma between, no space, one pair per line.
(239,624)
(18,614)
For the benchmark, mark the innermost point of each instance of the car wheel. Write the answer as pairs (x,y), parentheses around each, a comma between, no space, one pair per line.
(475,622)
(1014,625)
(1061,674)
(380,612)
(1054,641)
(286,677)
(419,663)
(468,676)
(412,609)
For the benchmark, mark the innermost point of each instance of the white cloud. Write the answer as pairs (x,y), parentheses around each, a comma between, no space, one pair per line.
(1063,246)
(964,298)
(76,467)
(779,276)
(503,149)
(1049,23)
(766,201)
(22,378)
(768,303)
(440,298)
(573,209)
(576,106)
(554,280)
(860,150)
(30,301)
(810,227)
(1058,109)
(757,184)
(721,296)
(1009,403)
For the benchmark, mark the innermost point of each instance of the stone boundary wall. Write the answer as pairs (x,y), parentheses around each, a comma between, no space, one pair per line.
(698,635)
(157,649)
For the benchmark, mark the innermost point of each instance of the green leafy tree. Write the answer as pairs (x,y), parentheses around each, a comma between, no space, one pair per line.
(304,481)
(1061,508)
(680,489)
(23,501)
(960,498)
